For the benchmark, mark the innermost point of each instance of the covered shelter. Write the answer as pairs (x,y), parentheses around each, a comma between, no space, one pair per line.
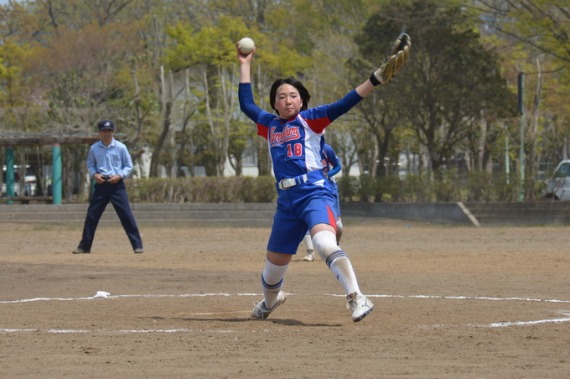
(55,139)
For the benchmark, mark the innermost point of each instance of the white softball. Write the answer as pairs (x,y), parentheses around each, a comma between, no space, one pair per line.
(246,45)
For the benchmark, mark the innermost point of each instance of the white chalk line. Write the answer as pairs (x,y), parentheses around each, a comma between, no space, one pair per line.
(124,296)
(184,330)
(222,294)
(525,323)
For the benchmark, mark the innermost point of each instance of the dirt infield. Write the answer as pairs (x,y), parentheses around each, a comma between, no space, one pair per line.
(451,302)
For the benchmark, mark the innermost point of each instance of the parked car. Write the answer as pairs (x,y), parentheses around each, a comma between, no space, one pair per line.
(558,185)
(30,182)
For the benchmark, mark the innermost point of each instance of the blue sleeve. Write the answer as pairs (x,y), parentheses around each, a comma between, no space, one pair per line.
(335,170)
(246,102)
(340,107)
(91,162)
(332,160)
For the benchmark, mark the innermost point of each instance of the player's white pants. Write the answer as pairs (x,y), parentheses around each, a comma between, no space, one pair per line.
(308,242)
(339,230)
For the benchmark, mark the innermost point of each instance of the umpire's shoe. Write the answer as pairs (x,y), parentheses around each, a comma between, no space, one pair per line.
(139,250)
(80,251)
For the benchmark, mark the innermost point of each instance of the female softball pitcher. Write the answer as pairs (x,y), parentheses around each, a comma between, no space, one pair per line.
(305,198)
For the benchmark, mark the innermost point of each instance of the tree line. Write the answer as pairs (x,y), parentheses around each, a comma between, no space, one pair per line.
(166,71)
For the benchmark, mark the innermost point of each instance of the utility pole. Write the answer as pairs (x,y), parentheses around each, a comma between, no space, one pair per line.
(507,162)
(522,135)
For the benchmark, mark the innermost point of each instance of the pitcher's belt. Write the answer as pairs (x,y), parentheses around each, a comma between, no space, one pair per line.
(287,183)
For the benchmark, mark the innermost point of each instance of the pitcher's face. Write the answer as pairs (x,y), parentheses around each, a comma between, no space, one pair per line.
(288,102)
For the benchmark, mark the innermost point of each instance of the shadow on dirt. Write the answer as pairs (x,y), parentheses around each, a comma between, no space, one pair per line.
(289,322)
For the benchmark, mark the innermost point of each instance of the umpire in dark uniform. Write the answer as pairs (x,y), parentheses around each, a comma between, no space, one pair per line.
(109,162)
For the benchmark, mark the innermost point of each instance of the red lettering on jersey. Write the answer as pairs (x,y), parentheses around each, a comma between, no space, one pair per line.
(288,134)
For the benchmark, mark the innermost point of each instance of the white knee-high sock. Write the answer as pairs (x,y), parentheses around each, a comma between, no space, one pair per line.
(344,272)
(337,260)
(272,281)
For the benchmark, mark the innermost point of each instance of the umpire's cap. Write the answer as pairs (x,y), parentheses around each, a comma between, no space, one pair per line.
(106,125)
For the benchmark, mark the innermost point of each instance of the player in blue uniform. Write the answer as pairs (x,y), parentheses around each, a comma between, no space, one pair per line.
(331,167)
(305,199)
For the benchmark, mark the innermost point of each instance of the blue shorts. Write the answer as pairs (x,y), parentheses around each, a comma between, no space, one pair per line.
(298,209)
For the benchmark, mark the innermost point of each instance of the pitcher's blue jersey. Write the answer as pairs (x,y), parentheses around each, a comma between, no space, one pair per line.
(295,145)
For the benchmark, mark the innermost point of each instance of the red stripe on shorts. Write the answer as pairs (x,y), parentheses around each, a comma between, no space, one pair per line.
(332,218)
